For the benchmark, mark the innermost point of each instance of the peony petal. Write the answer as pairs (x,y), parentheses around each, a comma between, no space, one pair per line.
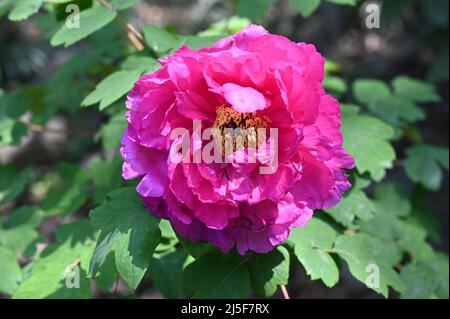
(244,99)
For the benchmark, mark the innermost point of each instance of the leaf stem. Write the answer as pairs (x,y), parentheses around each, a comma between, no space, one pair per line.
(284,292)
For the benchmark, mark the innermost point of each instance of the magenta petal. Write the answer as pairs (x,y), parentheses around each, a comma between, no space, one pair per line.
(151,185)
(244,99)
(234,204)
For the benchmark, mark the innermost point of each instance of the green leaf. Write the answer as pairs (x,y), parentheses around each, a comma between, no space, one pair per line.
(217,276)
(51,268)
(23,9)
(91,20)
(367,91)
(367,140)
(344,2)
(111,132)
(424,163)
(107,274)
(140,63)
(166,272)
(349,109)
(68,195)
(11,272)
(199,42)
(390,226)
(427,279)
(223,27)
(267,271)
(106,176)
(412,238)
(112,88)
(21,240)
(305,7)
(390,199)
(159,40)
(355,204)
(396,110)
(255,10)
(25,216)
(128,229)
(335,85)
(361,252)
(12,183)
(415,90)
(169,238)
(123,4)
(119,83)
(196,249)
(312,244)
(12,107)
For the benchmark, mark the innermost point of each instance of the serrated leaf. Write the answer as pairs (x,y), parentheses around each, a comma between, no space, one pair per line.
(390,199)
(53,268)
(107,274)
(415,90)
(267,271)
(128,229)
(312,243)
(169,238)
(355,204)
(11,273)
(196,249)
(158,39)
(21,240)
(367,140)
(361,252)
(69,195)
(390,226)
(91,20)
(424,163)
(217,276)
(427,279)
(166,272)
(12,183)
(25,216)
(119,83)
(305,7)
(112,88)
(12,107)
(396,110)
(367,91)
(412,238)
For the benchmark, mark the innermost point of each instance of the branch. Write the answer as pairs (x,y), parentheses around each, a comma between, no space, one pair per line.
(133,34)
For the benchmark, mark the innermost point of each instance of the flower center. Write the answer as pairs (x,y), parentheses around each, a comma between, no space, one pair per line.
(236,130)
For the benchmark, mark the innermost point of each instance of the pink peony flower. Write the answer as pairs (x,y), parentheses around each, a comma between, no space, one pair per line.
(252,79)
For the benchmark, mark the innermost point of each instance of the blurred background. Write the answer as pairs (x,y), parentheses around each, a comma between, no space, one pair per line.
(412,40)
